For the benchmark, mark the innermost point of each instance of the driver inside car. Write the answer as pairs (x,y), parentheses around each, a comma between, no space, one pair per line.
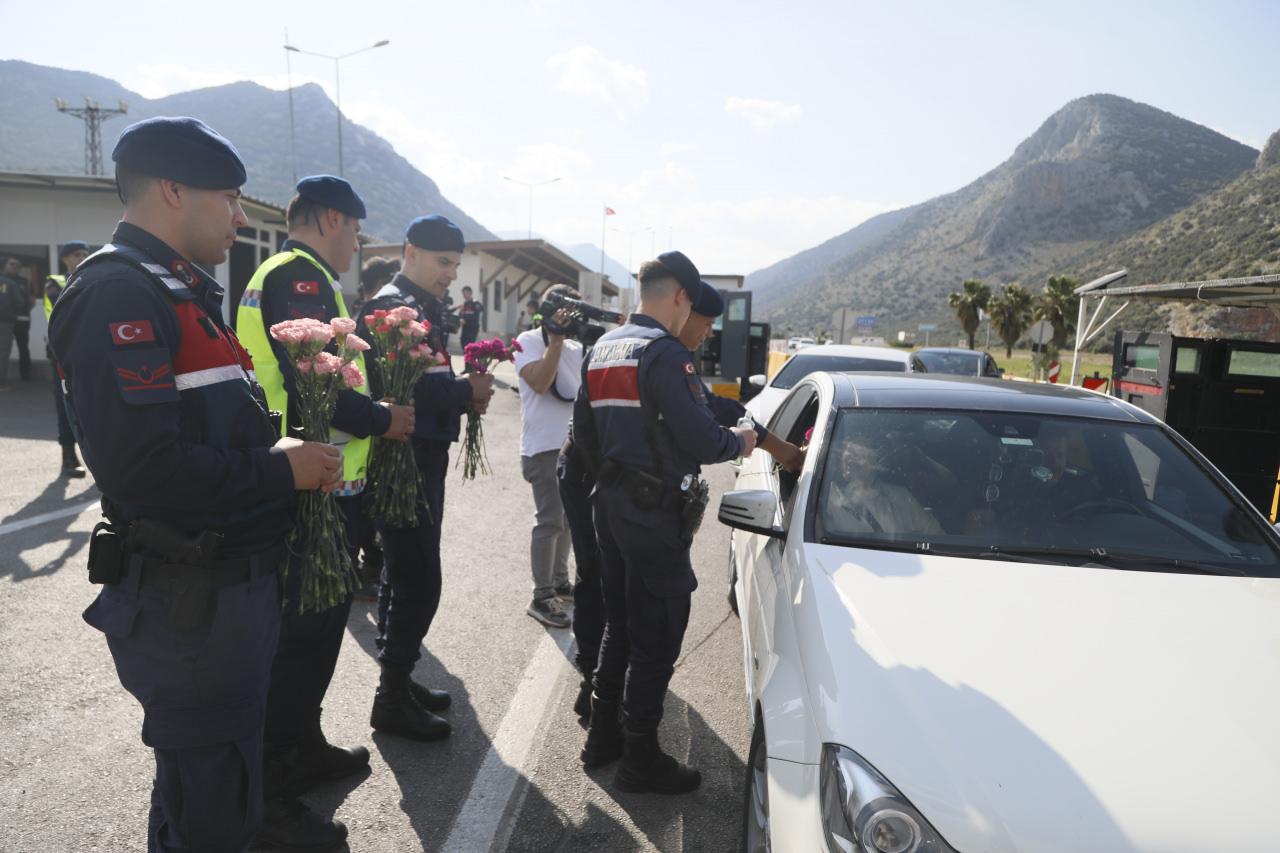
(864,500)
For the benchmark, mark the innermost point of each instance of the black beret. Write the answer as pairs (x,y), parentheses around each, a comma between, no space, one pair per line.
(684,271)
(180,149)
(332,192)
(708,302)
(435,233)
(73,246)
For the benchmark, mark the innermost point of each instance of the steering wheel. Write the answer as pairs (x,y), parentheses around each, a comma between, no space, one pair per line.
(1100,506)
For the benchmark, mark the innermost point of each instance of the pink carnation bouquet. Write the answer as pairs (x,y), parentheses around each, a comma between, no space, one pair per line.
(403,356)
(323,356)
(478,357)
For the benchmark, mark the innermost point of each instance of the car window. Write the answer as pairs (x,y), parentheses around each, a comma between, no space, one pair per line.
(801,366)
(792,423)
(954,363)
(977,483)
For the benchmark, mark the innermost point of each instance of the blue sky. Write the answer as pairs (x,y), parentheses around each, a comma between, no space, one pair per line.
(744,131)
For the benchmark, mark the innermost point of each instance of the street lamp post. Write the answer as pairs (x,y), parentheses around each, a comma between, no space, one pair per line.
(337,83)
(530,186)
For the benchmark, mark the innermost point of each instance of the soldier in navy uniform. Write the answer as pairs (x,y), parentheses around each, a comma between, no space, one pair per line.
(197,485)
(471,312)
(652,430)
(577,477)
(410,592)
(71,255)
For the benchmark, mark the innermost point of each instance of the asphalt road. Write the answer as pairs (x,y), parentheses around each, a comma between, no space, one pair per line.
(74,774)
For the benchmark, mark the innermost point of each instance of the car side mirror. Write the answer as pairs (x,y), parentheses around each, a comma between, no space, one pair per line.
(757,379)
(752,510)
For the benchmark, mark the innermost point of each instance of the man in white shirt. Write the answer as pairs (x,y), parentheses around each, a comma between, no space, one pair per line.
(550,370)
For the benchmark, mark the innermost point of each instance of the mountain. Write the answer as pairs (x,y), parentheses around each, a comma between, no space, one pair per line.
(1230,233)
(1101,168)
(34,137)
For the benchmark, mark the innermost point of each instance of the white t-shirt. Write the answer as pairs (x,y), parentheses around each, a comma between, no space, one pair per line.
(544,418)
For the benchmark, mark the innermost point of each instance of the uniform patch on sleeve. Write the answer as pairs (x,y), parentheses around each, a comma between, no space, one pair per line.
(305,310)
(144,375)
(132,332)
(695,388)
(306,288)
(688,368)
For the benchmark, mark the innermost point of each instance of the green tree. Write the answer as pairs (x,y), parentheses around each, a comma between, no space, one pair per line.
(1011,315)
(1058,306)
(969,303)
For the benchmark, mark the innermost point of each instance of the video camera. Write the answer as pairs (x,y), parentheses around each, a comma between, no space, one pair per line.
(577,324)
(450,322)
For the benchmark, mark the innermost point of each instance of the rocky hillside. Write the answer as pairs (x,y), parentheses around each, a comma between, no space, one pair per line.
(34,137)
(1101,168)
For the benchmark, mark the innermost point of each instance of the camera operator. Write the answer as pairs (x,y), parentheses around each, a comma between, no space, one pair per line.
(550,370)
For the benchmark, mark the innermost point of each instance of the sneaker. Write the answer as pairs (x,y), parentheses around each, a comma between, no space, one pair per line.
(548,612)
(565,591)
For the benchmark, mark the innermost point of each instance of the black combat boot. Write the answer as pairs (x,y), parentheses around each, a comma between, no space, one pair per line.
(604,736)
(432,700)
(396,712)
(582,705)
(646,769)
(71,466)
(288,824)
(316,760)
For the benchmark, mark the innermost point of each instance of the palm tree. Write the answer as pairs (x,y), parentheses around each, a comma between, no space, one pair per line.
(1011,315)
(1058,305)
(969,303)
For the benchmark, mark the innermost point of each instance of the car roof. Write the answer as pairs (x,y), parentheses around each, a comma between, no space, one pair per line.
(941,391)
(854,351)
(952,351)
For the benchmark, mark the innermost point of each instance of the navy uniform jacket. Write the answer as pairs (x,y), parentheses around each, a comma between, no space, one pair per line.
(471,313)
(639,371)
(163,400)
(440,397)
(728,412)
(296,290)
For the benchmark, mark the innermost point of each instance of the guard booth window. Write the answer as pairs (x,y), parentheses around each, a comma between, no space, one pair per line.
(1247,363)
(1142,356)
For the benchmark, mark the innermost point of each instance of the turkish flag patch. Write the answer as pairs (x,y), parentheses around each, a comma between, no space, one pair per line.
(132,332)
(306,288)
(688,367)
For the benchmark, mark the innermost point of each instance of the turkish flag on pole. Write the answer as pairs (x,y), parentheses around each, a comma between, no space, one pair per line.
(609,211)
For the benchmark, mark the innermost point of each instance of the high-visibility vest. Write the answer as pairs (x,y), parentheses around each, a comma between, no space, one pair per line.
(61,281)
(254,335)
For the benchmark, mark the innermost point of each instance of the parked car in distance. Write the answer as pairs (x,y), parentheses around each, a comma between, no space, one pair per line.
(835,358)
(794,344)
(1001,616)
(957,361)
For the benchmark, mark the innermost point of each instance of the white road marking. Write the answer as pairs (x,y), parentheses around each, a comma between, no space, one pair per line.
(497,783)
(74,509)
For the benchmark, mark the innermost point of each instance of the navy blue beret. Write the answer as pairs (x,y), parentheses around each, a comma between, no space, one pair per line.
(708,302)
(182,149)
(332,192)
(73,246)
(684,271)
(435,233)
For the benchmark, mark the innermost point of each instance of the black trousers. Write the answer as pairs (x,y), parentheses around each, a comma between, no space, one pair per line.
(22,337)
(648,586)
(203,692)
(307,655)
(588,596)
(469,336)
(65,438)
(411,575)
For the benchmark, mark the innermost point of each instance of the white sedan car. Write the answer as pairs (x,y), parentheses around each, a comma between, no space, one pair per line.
(834,358)
(993,616)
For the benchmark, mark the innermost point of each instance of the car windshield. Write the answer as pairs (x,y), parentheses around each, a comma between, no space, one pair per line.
(957,363)
(1033,487)
(801,366)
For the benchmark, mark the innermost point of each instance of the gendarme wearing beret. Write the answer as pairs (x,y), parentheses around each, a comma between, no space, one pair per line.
(435,233)
(684,271)
(333,192)
(180,149)
(708,302)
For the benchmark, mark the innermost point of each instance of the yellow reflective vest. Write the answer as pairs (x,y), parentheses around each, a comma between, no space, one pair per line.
(253,333)
(61,281)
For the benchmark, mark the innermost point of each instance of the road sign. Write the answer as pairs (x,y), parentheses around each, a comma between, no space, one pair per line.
(866,322)
(1041,332)
(1055,370)
(927,327)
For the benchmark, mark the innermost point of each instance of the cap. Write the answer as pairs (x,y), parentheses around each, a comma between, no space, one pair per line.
(684,271)
(435,233)
(180,149)
(73,246)
(332,192)
(708,302)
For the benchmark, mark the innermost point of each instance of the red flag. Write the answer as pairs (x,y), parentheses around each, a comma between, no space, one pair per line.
(609,211)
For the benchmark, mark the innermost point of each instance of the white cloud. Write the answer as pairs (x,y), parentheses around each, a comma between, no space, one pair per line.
(670,149)
(588,73)
(762,113)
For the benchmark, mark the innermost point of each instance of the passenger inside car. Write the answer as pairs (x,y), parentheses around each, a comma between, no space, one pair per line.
(864,500)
